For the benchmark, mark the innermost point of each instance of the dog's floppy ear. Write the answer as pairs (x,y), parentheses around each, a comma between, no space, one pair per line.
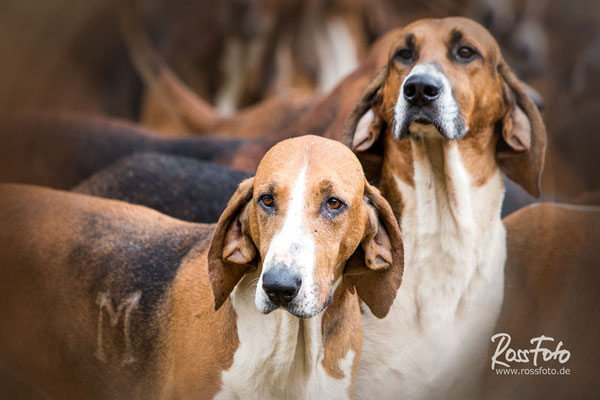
(522,145)
(375,269)
(232,252)
(363,126)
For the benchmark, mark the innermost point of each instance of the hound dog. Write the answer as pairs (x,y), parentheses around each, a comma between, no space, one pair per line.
(551,290)
(106,299)
(449,116)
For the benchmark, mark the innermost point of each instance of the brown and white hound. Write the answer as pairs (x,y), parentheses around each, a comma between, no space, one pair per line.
(449,117)
(107,299)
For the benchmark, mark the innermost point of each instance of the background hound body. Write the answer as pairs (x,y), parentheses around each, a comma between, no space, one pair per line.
(552,289)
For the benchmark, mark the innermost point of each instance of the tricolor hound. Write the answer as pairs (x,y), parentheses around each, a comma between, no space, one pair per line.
(450,117)
(106,299)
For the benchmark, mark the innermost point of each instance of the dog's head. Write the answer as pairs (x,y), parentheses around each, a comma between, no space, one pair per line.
(447,77)
(310,221)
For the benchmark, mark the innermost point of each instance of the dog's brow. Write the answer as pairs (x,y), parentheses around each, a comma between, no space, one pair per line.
(270,188)
(326,186)
(410,40)
(455,37)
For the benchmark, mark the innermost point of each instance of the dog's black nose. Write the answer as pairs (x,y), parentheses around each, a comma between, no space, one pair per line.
(281,284)
(422,89)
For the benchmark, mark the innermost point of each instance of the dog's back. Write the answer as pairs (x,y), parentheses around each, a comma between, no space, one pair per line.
(60,151)
(181,187)
(84,282)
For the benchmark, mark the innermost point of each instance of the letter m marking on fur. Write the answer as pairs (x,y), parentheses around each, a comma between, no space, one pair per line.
(123,311)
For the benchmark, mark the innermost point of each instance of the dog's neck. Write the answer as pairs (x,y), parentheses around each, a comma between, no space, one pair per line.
(293,342)
(282,354)
(451,293)
(449,212)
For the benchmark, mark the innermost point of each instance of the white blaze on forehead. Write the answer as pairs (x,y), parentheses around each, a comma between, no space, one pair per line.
(445,106)
(292,245)
(286,243)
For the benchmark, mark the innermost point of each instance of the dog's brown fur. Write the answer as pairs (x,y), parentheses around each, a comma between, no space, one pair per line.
(552,275)
(504,126)
(64,255)
(61,150)
(551,269)
(195,115)
(54,150)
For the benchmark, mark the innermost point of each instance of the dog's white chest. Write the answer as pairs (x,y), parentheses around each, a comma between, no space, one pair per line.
(440,324)
(277,358)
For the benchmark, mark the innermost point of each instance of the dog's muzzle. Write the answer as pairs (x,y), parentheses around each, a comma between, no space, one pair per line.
(426,98)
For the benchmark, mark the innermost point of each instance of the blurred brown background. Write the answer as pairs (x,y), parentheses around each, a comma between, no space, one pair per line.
(69,55)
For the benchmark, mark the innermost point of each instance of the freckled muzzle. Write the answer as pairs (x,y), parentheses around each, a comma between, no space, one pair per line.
(287,287)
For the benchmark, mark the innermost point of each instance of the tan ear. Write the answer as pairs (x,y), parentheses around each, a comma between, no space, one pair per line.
(376,267)
(363,126)
(521,149)
(232,252)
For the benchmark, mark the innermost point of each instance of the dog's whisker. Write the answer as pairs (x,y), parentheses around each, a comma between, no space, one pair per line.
(391,109)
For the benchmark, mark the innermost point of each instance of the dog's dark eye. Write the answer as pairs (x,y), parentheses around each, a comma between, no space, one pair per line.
(267,201)
(404,55)
(334,205)
(466,53)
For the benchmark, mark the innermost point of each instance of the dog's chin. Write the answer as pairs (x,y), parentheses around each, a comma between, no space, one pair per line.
(418,124)
(267,307)
(308,311)
(422,123)
(301,311)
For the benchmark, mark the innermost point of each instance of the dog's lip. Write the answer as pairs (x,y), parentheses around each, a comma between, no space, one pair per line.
(419,115)
(286,307)
(270,308)
(426,117)
(293,309)
(422,120)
